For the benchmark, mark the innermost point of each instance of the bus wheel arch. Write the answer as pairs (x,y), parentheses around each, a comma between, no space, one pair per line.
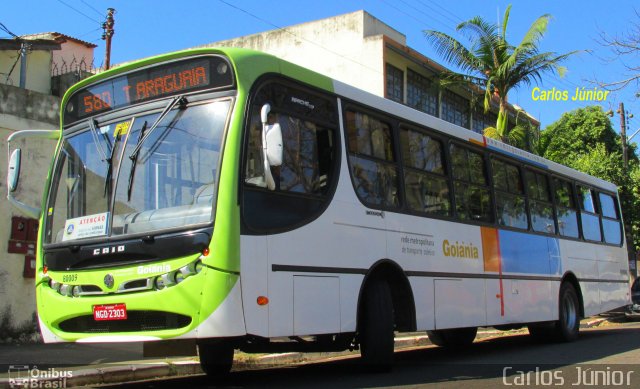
(573,280)
(404,307)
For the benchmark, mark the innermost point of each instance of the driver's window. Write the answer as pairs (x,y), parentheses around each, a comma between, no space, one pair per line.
(303,172)
(308,148)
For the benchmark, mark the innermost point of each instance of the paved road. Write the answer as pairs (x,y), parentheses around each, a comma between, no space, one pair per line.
(608,355)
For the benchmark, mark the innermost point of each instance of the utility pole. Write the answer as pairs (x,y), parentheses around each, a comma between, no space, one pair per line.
(24,50)
(106,36)
(623,135)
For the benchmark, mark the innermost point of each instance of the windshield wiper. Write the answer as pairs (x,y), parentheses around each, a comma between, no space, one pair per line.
(107,180)
(144,134)
(134,159)
(94,132)
(169,107)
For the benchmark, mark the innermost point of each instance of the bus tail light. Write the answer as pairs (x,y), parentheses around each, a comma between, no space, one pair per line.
(262,300)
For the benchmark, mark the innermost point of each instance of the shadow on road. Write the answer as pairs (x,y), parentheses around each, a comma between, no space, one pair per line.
(483,364)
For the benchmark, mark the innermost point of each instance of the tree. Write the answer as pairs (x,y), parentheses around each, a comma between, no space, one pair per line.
(585,140)
(491,61)
(626,47)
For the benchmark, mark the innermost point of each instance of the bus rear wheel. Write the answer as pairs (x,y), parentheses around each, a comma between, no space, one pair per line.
(567,327)
(376,327)
(216,357)
(455,337)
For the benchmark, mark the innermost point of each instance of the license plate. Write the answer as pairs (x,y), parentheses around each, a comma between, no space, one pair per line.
(110,312)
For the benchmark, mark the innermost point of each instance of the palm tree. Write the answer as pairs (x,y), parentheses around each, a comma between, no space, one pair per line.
(497,65)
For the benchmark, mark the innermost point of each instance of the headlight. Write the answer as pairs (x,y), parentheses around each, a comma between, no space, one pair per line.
(76,291)
(55,285)
(65,290)
(160,282)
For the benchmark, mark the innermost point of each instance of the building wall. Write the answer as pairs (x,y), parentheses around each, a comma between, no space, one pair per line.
(37,60)
(348,48)
(21,110)
(70,56)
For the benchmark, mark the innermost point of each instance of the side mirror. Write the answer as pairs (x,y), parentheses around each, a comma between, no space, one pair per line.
(14,162)
(274,144)
(13,176)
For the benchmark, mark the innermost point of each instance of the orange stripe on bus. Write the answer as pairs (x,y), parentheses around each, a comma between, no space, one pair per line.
(490,249)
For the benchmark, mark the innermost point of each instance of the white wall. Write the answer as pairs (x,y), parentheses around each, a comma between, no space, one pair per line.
(348,48)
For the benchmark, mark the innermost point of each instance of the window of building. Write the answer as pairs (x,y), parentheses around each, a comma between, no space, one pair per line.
(455,109)
(479,121)
(540,205)
(472,195)
(510,204)
(372,161)
(589,215)
(395,84)
(611,225)
(421,93)
(426,187)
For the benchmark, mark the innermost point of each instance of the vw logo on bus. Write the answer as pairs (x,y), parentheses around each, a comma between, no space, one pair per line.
(108,281)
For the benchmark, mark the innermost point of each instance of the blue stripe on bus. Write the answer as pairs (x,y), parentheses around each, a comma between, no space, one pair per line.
(529,254)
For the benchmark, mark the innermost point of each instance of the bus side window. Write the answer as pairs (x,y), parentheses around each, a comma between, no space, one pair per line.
(510,203)
(372,160)
(589,215)
(540,205)
(611,225)
(425,185)
(566,208)
(472,194)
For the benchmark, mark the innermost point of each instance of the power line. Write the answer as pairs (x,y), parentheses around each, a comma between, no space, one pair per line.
(5,29)
(415,18)
(80,12)
(455,21)
(90,6)
(445,10)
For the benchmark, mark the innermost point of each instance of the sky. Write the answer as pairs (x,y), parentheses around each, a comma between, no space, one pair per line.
(148,27)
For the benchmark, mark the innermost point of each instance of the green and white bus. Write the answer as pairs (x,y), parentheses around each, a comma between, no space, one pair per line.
(232,198)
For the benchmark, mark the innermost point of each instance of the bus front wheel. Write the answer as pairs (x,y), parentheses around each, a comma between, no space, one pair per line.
(216,357)
(376,327)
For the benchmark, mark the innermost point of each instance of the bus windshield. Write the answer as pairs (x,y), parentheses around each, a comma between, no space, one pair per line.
(125,178)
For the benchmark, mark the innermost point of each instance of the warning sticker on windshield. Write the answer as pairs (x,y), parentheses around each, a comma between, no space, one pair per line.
(86,226)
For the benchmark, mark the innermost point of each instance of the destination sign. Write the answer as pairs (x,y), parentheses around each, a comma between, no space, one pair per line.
(148,84)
